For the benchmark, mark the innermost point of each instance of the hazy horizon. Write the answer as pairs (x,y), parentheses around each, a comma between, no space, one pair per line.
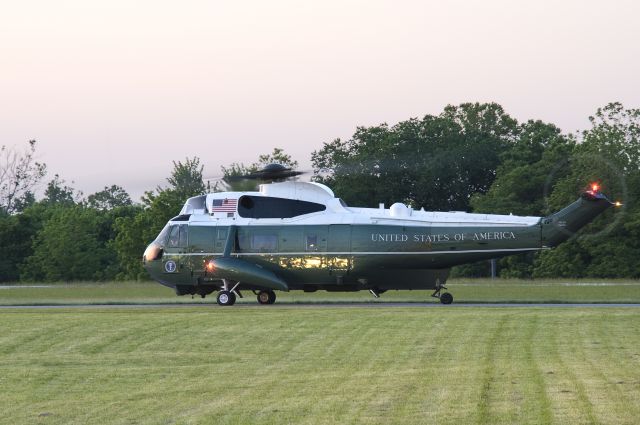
(115,91)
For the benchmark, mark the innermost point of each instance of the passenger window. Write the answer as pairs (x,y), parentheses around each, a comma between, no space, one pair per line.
(312,243)
(201,238)
(264,243)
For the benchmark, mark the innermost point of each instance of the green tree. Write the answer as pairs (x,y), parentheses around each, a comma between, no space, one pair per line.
(437,162)
(52,242)
(16,234)
(109,198)
(277,156)
(58,193)
(609,153)
(67,248)
(186,178)
(25,201)
(134,233)
(529,170)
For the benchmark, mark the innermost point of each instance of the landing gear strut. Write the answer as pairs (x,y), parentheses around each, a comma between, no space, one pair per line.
(266,297)
(377,292)
(446,297)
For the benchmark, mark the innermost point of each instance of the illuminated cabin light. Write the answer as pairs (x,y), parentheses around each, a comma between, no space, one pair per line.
(313,262)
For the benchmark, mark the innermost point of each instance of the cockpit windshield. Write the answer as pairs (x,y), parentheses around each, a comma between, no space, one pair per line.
(162,237)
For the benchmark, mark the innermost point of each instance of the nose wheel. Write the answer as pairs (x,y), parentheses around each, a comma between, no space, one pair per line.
(445,297)
(226,298)
(266,297)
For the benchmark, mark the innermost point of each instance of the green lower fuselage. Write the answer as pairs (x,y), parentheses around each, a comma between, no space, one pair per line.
(344,257)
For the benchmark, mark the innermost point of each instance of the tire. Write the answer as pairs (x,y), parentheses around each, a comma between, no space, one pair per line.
(446,298)
(225,298)
(266,297)
(263,297)
(272,297)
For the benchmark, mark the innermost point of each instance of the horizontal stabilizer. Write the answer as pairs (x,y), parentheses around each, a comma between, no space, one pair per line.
(242,271)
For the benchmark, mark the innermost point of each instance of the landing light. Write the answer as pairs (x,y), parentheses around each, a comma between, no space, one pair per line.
(617,204)
(210,266)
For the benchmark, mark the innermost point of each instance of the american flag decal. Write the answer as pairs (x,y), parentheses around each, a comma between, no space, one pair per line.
(224,205)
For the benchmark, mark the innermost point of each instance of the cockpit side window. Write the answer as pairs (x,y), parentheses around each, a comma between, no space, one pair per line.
(183,235)
(177,236)
(174,237)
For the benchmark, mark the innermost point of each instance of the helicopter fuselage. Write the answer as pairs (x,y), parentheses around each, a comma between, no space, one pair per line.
(298,236)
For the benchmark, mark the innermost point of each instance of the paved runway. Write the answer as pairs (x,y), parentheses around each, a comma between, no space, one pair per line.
(319,305)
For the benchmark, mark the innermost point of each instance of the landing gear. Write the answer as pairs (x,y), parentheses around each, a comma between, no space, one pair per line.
(445,298)
(226,298)
(266,297)
(227,294)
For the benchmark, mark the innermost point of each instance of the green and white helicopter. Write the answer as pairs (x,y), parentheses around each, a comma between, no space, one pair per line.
(293,235)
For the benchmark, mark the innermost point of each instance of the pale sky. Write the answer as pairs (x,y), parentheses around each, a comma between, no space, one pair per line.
(115,90)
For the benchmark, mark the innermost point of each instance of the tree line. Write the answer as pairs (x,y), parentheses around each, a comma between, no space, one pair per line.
(471,157)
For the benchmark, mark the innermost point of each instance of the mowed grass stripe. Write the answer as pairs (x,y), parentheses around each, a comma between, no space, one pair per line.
(568,385)
(535,358)
(600,375)
(320,366)
(513,388)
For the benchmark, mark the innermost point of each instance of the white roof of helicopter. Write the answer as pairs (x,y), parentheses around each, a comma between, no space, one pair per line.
(337,212)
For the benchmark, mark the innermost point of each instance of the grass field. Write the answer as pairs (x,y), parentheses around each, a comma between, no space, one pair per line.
(325,365)
(479,291)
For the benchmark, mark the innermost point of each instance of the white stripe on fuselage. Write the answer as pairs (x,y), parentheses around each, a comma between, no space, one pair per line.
(240,254)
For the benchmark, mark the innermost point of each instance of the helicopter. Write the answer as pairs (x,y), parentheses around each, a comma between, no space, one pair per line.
(293,235)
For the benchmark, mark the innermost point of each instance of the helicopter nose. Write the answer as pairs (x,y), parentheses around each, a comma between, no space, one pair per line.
(152,253)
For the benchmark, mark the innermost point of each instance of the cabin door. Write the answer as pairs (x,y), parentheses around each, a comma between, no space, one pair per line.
(201,245)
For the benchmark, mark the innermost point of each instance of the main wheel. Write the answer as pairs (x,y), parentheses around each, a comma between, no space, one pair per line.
(226,298)
(446,298)
(266,297)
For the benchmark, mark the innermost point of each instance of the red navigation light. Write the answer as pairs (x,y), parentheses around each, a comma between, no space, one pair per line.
(595,187)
